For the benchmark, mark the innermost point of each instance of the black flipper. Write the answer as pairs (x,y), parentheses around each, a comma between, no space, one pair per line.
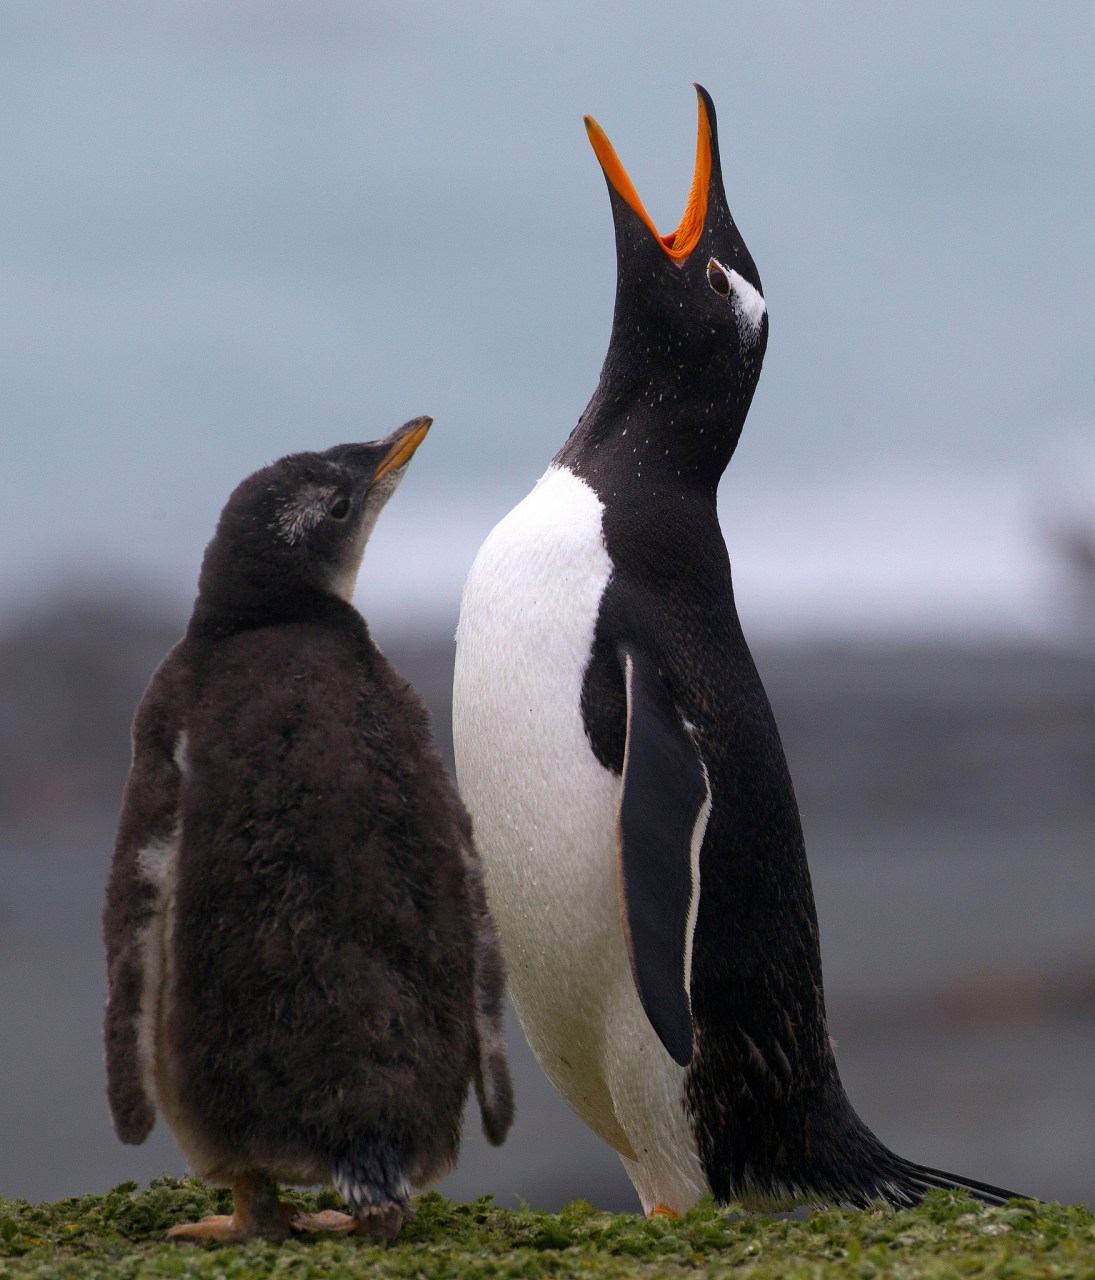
(664,805)
(133,916)
(493,1086)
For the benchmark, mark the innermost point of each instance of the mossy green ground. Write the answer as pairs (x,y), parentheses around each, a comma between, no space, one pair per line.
(121,1235)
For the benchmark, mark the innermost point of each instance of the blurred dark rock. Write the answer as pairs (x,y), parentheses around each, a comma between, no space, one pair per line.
(982,999)
(895,731)
(71,674)
(875,733)
(1073,539)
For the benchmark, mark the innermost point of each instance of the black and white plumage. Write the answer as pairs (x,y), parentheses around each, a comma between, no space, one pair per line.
(302,972)
(640,836)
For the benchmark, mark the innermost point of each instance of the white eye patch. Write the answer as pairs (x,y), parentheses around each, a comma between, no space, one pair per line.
(302,512)
(746,300)
(748,304)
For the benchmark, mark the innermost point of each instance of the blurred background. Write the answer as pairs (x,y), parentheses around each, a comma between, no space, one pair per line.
(232,229)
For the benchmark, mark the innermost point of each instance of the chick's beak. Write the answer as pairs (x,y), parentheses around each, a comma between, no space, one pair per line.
(402,444)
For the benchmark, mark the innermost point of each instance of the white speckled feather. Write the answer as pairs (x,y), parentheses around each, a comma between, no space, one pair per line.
(156,862)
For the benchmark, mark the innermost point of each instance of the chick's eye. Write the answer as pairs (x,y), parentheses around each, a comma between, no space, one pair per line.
(718,278)
(340,509)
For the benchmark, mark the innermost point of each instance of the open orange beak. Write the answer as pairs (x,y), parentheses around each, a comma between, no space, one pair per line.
(680,243)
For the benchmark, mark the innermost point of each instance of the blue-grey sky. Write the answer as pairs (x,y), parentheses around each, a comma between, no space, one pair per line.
(232,229)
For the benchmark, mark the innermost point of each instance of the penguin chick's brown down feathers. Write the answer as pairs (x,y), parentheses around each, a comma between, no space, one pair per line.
(302,971)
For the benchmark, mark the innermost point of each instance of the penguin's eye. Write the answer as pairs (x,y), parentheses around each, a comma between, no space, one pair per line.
(718,278)
(340,509)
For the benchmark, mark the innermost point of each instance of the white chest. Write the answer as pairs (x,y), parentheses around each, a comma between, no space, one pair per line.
(526,629)
(544,812)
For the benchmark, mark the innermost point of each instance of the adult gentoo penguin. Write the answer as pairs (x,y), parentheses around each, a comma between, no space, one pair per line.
(631,800)
(302,972)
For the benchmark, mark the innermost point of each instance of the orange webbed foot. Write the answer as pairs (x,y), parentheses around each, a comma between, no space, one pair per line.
(662,1211)
(257,1214)
(375,1224)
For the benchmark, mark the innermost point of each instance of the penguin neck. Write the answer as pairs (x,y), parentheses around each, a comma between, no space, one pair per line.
(231,608)
(664,438)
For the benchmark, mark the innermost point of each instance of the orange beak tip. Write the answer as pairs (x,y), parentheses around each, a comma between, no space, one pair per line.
(680,243)
(403,450)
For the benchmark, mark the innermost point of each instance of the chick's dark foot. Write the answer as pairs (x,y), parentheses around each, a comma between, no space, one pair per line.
(257,1214)
(382,1223)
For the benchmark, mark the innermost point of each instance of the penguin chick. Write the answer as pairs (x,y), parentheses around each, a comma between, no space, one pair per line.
(631,799)
(302,972)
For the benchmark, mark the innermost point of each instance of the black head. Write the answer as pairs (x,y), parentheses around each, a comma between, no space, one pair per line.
(296,530)
(690,325)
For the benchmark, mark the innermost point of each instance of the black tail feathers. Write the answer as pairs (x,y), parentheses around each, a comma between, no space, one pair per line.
(915,1180)
(850,1166)
(861,1170)
(369,1176)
